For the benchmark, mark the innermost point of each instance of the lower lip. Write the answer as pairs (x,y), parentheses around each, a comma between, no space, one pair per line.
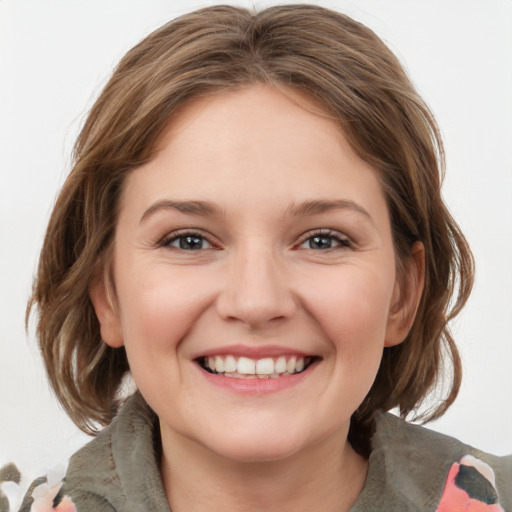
(257,386)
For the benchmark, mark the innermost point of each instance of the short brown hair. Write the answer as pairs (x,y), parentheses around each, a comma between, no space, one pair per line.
(325,55)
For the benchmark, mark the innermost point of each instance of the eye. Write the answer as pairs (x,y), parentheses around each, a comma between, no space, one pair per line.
(188,242)
(325,240)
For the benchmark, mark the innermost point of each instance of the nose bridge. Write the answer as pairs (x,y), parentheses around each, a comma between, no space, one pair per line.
(256,290)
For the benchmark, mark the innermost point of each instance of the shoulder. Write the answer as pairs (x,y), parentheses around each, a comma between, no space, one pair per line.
(119,468)
(415,468)
(118,471)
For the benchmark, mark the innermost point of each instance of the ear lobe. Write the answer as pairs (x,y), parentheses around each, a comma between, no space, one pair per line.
(406,297)
(108,318)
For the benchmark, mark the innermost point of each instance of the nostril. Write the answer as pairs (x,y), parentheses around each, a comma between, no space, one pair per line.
(255,315)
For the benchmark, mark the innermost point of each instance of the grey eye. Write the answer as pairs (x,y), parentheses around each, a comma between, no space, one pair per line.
(321,242)
(190,243)
(324,241)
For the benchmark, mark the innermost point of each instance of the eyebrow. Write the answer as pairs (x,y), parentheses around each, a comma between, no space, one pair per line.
(207,208)
(202,208)
(316,207)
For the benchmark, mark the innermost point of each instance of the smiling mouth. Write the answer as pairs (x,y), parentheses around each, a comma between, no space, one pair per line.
(247,368)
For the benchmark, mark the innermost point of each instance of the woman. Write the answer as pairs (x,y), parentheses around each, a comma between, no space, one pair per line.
(253,228)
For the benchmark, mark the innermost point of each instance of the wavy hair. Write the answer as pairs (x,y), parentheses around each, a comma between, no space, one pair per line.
(359,83)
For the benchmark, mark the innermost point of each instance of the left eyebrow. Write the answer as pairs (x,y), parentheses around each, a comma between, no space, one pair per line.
(202,208)
(316,207)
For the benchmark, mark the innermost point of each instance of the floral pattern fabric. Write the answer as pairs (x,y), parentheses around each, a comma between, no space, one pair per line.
(470,487)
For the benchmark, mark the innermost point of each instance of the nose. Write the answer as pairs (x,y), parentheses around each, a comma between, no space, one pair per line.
(257,291)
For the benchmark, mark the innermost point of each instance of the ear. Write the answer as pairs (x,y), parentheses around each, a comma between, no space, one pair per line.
(406,297)
(101,295)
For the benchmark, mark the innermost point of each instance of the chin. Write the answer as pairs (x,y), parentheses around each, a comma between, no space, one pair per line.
(257,450)
(256,442)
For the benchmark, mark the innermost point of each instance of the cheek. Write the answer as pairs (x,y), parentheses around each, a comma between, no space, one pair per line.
(158,309)
(351,307)
(157,312)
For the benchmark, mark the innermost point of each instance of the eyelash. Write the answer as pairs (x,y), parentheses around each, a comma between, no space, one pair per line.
(176,236)
(342,241)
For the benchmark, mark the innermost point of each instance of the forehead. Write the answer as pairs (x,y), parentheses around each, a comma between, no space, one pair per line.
(257,110)
(250,145)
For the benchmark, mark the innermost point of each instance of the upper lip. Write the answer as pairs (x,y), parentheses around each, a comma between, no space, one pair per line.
(253,352)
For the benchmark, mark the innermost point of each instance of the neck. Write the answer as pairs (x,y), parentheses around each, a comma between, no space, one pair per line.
(329,477)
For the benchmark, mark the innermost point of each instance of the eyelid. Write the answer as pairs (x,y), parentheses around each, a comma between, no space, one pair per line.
(166,240)
(343,239)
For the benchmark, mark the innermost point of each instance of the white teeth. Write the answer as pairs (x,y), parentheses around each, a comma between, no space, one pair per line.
(245,367)
(230,364)
(280,365)
(219,364)
(265,366)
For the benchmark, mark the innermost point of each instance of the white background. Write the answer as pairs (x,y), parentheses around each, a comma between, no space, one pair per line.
(54,58)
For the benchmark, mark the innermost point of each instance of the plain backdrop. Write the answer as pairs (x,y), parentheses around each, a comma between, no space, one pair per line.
(56,55)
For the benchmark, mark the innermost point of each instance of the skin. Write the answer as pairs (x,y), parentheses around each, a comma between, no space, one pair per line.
(256,279)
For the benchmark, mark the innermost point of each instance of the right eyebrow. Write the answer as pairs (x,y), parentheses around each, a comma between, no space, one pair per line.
(202,208)
(316,207)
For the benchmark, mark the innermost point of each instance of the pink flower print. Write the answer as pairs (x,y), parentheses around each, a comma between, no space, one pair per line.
(470,487)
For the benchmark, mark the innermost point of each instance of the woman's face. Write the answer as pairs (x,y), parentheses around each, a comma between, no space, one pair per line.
(255,278)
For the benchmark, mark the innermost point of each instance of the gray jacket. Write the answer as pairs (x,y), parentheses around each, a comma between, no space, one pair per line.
(118,471)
